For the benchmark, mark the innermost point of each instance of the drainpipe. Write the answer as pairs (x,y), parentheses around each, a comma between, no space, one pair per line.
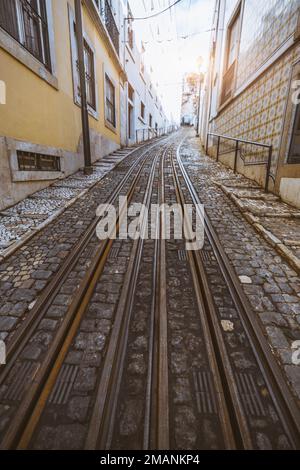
(199,109)
(125,20)
(84,110)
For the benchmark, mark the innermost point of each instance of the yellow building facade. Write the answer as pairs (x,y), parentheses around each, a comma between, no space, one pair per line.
(40,118)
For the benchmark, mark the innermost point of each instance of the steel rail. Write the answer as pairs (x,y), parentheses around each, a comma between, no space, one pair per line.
(36,396)
(205,308)
(43,302)
(282,397)
(104,412)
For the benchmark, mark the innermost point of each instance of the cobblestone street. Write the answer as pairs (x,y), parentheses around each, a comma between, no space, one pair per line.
(149,232)
(137,343)
(268,277)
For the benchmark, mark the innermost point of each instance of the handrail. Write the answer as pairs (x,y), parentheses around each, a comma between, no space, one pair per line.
(244,141)
(238,151)
(148,133)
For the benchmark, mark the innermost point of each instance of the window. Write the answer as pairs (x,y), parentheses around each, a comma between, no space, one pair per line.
(30,161)
(150,120)
(130,93)
(129,28)
(130,111)
(130,121)
(89,66)
(233,41)
(89,75)
(231,57)
(26,21)
(294,153)
(142,110)
(142,64)
(110,101)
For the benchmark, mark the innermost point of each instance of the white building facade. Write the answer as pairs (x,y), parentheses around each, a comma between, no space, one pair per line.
(141,109)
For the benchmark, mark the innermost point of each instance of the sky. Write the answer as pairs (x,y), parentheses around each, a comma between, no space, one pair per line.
(169,54)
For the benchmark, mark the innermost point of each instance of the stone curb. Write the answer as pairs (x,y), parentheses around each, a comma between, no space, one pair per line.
(268,236)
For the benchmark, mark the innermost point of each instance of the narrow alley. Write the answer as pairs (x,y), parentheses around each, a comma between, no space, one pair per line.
(149,228)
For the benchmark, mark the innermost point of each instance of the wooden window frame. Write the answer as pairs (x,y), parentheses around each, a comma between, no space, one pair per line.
(150,120)
(92,106)
(38,18)
(143,110)
(89,61)
(130,93)
(229,72)
(293,159)
(110,104)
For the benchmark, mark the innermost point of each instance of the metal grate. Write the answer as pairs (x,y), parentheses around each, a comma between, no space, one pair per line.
(182,255)
(24,375)
(114,253)
(206,257)
(111,26)
(250,394)
(31,161)
(63,387)
(205,396)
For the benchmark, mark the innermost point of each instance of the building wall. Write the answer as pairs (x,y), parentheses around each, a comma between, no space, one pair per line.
(261,107)
(42,116)
(144,89)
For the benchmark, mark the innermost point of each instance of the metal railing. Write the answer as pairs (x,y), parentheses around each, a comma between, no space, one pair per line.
(145,134)
(111,26)
(251,153)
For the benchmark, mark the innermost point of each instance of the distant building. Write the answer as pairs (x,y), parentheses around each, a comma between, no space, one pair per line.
(141,110)
(251,88)
(190,99)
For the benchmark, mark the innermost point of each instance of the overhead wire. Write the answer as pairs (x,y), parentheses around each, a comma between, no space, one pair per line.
(158,13)
(187,36)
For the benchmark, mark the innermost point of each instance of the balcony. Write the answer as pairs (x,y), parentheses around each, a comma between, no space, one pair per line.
(112,29)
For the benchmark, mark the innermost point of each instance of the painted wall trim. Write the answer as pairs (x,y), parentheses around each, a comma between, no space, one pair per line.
(14,145)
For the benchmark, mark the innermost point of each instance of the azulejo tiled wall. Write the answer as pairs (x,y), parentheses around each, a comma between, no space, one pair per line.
(258,113)
(266,25)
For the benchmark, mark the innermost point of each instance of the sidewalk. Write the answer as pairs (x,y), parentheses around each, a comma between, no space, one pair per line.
(259,234)
(21,221)
(276,221)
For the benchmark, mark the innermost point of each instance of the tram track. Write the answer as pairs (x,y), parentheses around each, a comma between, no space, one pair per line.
(43,375)
(272,387)
(184,363)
